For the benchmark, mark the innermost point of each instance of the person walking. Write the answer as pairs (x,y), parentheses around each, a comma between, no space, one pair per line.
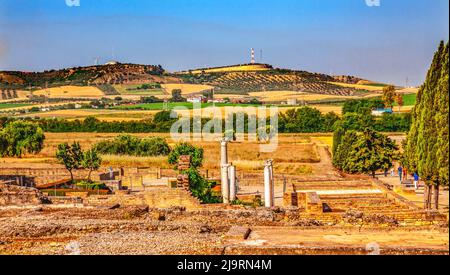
(400,173)
(416,180)
(405,173)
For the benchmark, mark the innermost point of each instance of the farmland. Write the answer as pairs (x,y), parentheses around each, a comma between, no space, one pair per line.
(13,105)
(70,92)
(139,89)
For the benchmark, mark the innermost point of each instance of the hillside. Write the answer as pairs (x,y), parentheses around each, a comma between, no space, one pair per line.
(269,79)
(233,68)
(240,79)
(81,76)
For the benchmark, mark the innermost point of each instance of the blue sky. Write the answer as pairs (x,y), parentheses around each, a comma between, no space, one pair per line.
(387,43)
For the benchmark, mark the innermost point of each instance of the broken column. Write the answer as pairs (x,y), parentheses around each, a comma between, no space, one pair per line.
(232,177)
(268,200)
(223,152)
(272,183)
(225,183)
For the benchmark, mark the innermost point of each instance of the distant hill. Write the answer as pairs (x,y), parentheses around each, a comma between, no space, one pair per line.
(236,79)
(246,78)
(83,76)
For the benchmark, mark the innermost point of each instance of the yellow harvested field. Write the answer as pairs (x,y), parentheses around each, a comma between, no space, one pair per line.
(243,68)
(105,115)
(245,154)
(186,89)
(358,86)
(277,96)
(70,91)
(21,95)
(408,91)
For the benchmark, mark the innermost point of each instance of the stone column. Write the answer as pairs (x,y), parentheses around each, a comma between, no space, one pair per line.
(267,185)
(223,152)
(232,176)
(225,183)
(272,184)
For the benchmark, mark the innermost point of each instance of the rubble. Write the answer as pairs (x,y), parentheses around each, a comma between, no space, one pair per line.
(20,196)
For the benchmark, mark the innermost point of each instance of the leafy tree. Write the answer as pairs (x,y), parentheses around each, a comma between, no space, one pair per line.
(162,116)
(200,187)
(361,105)
(302,120)
(357,121)
(186,149)
(91,161)
(151,99)
(365,152)
(337,136)
(400,102)
(20,137)
(177,96)
(133,146)
(389,96)
(329,121)
(70,156)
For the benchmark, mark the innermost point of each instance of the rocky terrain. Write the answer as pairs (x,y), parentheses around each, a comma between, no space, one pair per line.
(138,230)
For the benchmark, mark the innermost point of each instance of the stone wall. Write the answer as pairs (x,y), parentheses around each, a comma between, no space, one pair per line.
(20,196)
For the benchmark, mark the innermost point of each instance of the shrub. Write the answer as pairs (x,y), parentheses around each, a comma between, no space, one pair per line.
(134,146)
(187,149)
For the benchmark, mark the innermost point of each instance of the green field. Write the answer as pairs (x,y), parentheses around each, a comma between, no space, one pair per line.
(13,105)
(133,90)
(159,106)
(409,100)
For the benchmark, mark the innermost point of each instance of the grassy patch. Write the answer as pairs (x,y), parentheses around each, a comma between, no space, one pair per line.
(13,105)
(159,106)
(137,90)
(408,100)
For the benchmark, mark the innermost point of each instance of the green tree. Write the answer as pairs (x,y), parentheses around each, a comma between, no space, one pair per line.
(389,96)
(365,152)
(91,161)
(400,101)
(177,96)
(70,156)
(427,143)
(184,148)
(20,137)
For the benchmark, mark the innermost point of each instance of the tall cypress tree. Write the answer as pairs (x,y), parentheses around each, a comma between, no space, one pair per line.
(427,148)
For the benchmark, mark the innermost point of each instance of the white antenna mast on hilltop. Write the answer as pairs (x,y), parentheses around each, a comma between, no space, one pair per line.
(253,56)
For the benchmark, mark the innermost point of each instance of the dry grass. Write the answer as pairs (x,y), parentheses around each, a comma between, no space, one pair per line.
(295,154)
(70,91)
(256,67)
(277,96)
(186,89)
(133,161)
(369,88)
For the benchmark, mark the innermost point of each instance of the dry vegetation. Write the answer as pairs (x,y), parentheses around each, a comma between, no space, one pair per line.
(70,91)
(277,96)
(186,89)
(238,68)
(303,153)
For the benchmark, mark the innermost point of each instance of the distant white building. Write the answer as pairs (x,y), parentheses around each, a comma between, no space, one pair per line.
(381,111)
(292,102)
(112,62)
(219,100)
(195,99)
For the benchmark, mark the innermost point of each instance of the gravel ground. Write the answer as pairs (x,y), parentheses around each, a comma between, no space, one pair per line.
(131,230)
